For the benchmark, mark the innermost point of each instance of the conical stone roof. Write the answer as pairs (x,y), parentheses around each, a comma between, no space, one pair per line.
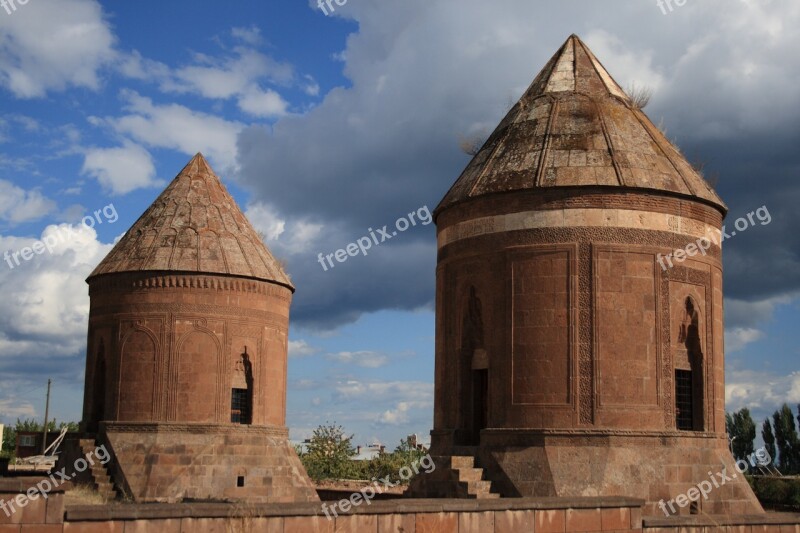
(194,226)
(576,127)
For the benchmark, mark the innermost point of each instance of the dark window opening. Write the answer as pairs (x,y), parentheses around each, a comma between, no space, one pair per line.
(240,406)
(694,508)
(240,481)
(683,400)
(690,413)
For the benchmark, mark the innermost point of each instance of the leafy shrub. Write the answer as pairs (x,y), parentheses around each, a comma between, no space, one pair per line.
(777,492)
(330,452)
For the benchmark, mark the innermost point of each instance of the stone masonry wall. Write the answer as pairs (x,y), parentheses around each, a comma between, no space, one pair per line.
(204,462)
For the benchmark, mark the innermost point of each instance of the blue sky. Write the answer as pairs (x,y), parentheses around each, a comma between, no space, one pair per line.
(325,126)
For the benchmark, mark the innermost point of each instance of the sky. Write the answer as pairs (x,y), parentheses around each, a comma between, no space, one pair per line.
(327,126)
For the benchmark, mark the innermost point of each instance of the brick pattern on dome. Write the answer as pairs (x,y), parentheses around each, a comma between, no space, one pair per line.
(575,127)
(194,226)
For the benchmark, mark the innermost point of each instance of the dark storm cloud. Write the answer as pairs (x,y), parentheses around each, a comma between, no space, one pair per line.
(426,74)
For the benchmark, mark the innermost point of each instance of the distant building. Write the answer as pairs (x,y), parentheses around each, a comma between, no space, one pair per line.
(368,452)
(29,443)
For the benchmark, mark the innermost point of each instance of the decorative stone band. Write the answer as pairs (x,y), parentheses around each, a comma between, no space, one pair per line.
(574,218)
(150,280)
(587,432)
(187,427)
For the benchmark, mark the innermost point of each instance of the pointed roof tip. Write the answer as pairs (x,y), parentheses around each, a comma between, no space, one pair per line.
(200,157)
(198,166)
(575,68)
(195,226)
(570,106)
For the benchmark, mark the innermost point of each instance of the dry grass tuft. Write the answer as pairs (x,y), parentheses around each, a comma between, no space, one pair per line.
(84,494)
(640,96)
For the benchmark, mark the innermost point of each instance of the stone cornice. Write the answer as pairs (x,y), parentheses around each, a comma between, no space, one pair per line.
(178,280)
(188,427)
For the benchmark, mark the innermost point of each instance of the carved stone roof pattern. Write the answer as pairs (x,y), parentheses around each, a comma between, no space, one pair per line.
(576,127)
(195,225)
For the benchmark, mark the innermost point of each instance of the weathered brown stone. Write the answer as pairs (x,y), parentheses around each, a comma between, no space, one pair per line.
(562,330)
(437,523)
(394,523)
(190,311)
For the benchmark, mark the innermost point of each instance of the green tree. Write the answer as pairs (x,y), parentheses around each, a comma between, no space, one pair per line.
(742,431)
(391,465)
(769,440)
(786,439)
(329,453)
(53,426)
(9,441)
(71,426)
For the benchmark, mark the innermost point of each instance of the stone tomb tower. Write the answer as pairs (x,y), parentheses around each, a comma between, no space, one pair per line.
(187,354)
(568,361)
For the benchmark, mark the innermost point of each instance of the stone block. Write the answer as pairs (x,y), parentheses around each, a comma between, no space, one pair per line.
(583,520)
(553,521)
(397,523)
(437,523)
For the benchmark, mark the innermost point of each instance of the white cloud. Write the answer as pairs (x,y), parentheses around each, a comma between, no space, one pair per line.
(282,239)
(741,314)
(260,103)
(737,338)
(251,35)
(760,391)
(19,205)
(52,45)
(14,408)
(46,302)
(121,170)
(628,65)
(134,65)
(311,87)
(301,348)
(179,128)
(385,390)
(396,416)
(364,359)
(238,76)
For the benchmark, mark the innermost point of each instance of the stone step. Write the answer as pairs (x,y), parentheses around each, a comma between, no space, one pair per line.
(458,462)
(479,486)
(98,471)
(469,474)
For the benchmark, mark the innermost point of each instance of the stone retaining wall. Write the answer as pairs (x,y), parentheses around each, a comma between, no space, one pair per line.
(509,515)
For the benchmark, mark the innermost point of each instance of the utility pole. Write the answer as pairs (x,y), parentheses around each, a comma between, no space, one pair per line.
(46,416)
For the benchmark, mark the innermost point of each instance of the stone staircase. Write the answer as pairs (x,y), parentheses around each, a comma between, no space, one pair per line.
(97,473)
(469,478)
(455,476)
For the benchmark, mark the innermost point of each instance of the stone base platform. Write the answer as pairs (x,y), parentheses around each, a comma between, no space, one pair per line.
(656,467)
(170,462)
